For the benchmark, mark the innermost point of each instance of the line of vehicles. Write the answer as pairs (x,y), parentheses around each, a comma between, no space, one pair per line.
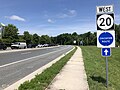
(23,45)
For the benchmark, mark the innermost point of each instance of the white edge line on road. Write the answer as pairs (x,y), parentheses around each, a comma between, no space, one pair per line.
(29,58)
(32,75)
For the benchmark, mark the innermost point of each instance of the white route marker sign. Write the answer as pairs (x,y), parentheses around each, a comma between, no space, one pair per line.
(105,21)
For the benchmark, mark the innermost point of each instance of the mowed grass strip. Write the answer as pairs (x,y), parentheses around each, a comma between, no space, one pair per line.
(96,68)
(41,81)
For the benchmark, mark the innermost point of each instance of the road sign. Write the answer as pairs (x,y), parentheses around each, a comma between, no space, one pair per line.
(105,9)
(106,52)
(105,39)
(74,42)
(105,21)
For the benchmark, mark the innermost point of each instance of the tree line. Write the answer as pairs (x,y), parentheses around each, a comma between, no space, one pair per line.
(11,35)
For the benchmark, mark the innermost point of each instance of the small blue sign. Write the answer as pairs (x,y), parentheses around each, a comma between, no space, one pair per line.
(106,52)
(105,39)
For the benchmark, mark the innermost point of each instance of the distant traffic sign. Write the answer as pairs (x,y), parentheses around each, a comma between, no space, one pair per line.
(106,52)
(105,39)
(105,21)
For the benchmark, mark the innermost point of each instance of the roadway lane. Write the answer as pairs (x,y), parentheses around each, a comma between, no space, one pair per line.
(10,57)
(27,62)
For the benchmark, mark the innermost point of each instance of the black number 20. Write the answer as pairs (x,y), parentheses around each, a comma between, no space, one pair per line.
(105,22)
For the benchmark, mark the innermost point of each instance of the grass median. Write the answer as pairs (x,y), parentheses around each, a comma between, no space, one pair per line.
(41,81)
(96,68)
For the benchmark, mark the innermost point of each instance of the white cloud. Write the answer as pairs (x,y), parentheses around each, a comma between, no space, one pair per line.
(15,17)
(50,21)
(68,13)
(62,15)
(72,12)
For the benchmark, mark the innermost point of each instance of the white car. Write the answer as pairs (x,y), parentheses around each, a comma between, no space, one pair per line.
(19,45)
(46,45)
(40,45)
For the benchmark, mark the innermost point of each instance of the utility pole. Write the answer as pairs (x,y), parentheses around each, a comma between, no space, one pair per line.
(2,26)
(87,40)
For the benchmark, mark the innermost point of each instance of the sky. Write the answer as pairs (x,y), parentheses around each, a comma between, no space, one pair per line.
(54,17)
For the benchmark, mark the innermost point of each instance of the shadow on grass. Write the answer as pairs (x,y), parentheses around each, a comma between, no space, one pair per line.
(99,79)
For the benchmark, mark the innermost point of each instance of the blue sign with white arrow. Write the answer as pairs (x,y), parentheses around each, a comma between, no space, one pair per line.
(106,52)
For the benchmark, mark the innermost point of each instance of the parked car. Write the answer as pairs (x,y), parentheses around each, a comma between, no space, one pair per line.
(31,46)
(18,45)
(52,45)
(40,45)
(46,45)
(3,46)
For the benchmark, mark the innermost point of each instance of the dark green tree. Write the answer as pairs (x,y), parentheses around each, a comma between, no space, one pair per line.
(10,34)
(89,38)
(27,37)
(65,39)
(117,34)
(53,40)
(21,38)
(45,39)
(75,37)
(35,39)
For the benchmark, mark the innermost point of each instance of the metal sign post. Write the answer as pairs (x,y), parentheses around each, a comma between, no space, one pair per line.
(106,52)
(106,72)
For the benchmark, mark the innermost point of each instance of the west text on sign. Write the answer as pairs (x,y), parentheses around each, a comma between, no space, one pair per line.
(105,9)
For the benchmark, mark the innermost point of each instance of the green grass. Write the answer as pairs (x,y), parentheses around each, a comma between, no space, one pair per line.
(96,68)
(41,81)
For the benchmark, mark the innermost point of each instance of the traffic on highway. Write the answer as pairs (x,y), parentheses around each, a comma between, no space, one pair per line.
(23,45)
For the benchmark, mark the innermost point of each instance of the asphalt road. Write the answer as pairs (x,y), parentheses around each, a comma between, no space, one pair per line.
(16,65)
